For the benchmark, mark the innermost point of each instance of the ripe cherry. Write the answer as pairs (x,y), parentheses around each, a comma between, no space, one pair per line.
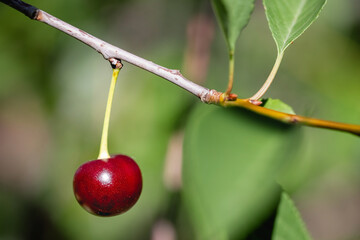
(108,187)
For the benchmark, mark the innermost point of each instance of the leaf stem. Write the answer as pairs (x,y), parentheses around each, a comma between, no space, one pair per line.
(231,73)
(270,78)
(104,153)
(293,119)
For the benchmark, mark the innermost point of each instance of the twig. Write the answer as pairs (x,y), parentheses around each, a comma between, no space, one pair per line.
(293,119)
(206,95)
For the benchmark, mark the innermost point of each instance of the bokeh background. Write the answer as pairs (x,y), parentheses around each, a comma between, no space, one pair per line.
(52,100)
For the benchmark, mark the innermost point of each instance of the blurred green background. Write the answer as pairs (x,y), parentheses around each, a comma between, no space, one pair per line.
(52,99)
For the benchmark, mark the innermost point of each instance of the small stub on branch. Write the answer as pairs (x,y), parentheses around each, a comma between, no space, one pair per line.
(255,102)
(115,63)
(231,97)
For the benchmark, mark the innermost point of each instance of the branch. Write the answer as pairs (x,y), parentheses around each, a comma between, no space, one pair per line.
(109,52)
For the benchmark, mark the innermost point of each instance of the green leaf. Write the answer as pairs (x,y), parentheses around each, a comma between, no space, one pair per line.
(278,105)
(232,15)
(231,160)
(288,19)
(288,223)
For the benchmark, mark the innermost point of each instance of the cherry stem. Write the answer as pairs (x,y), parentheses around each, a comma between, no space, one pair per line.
(104,153)
(231,73)
(269,80)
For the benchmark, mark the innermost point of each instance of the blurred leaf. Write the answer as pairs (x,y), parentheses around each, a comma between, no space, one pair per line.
(232,15)
(12,213)
(288,223)
(288,19)
(278,105)
(231,159)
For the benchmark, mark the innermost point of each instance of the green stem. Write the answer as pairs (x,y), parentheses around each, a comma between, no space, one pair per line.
(270,78)
(231,73)
(104,153)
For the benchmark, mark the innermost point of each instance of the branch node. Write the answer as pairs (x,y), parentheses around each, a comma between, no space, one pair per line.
(115,63)
(211,97)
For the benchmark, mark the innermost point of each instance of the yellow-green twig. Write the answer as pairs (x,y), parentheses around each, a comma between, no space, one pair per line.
(293,119)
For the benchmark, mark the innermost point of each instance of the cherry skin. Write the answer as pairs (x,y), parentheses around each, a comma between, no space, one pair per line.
(108,187)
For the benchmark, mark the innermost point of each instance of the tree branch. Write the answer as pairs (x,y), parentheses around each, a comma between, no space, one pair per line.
(109,52)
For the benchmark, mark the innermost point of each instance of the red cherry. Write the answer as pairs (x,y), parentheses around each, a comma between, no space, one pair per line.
(108,187)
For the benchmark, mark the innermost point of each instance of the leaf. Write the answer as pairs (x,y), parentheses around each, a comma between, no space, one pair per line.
(288,19)
(278,105)
(232,15)
(288,223)
(231,159)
